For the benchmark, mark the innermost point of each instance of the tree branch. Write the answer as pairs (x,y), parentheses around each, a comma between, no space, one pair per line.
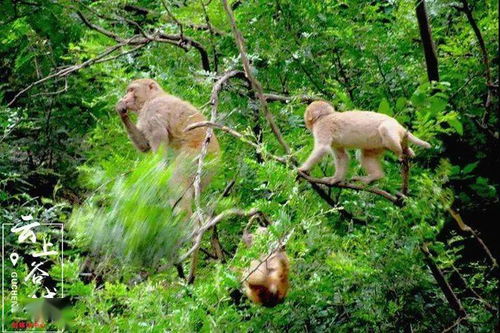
(431,59)
(452,298)
(256,86)
(198,234)
(465,228)
(405,166)
(68,70)
(178,40)
(486,62)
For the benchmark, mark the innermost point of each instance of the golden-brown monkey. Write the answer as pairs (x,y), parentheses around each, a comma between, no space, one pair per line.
(371,132)
(266,280)
(161,120)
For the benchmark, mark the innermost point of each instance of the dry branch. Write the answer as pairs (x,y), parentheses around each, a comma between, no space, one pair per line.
(177,40)
(465,228)
(405,166)
(484,53)
(445,287)
(198,234)
(68,70)
(256,86)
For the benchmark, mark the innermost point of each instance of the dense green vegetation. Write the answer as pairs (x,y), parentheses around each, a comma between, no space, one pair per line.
(358,261)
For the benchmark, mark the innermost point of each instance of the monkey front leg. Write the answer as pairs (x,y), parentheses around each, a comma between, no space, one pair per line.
(317,154)
(341,165)
(135,134)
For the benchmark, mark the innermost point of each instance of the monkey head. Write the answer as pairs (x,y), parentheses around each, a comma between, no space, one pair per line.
(138,92)
(316,110)
(267,281)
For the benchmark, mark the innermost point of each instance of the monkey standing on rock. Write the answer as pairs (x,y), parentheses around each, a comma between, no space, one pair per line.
(371,132)
(161,120)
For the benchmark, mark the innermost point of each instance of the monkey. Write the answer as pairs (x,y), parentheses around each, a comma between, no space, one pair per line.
(161,120)
(266,280)
(373,133)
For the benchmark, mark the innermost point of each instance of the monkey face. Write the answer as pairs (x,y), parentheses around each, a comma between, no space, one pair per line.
(138,92)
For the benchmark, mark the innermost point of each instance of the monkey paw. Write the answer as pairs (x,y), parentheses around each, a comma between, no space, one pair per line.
(332,180)
(364,179)
(121,108)
(303,170)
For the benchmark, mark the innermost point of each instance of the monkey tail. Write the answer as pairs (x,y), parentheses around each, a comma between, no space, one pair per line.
(412,138)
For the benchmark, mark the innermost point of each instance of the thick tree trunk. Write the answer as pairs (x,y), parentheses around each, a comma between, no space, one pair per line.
(427,42)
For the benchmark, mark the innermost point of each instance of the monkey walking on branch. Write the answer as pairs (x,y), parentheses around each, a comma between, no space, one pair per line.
(373,133)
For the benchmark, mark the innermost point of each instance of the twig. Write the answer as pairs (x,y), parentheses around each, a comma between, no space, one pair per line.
(482,46)
(448,292)
(68,70)
(198,234)
(122,54)
(256,86)
(455,324)
(465,228)
(493,310)
(179,24)
(235,134)
(405,166)
(51,93)
(214,102)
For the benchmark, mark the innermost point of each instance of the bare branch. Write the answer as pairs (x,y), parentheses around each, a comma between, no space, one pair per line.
(405,166)
(52,93)
(486,62)
(324,181)
(448,292)
(68,70)
(177,40)
(98,28)
(465,228)
(288,99)
(198,234)
(269,97)
(121,54)
(256,86)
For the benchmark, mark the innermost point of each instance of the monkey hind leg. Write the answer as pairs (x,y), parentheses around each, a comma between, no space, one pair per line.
(391,138)
(370,161)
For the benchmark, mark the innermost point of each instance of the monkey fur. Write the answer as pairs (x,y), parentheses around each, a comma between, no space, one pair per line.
(373,133)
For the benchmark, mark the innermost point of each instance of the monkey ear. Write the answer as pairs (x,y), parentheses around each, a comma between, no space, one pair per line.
(152,86)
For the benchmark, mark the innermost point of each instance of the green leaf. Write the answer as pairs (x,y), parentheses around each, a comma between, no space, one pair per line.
(400,103)
(456,124)
(384,107)
(470,167)
(438,105)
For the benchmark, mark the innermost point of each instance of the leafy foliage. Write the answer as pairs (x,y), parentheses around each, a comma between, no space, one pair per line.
(356,265)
